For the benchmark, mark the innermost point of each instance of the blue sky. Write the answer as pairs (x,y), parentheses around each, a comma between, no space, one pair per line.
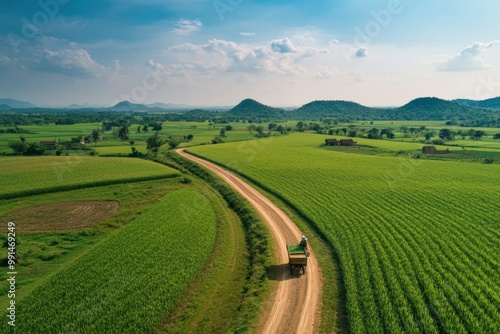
(218,52)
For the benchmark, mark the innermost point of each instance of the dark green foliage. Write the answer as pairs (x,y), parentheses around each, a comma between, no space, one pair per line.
(154,143)
(252,108)
(124,133)
(446,134)
(493,103)
(217,140)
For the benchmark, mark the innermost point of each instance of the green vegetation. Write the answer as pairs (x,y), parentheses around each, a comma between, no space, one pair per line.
(44,253)
(416,240)
(24,176)
(257,240)
(117,287)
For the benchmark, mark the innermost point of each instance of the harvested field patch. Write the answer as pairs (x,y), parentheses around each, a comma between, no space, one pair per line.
(60,216)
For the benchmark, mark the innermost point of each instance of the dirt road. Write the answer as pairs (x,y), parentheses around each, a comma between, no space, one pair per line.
(295,304)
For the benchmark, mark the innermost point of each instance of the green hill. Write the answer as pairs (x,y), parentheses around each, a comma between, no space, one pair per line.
(493,103)
(337,109)
(251,108)
(432,108)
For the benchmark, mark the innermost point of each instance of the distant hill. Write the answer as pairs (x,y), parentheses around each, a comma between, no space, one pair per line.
(167,106)
(252,108)
(5,107)
(433,108)
(128,106)
(335,109)
(17,104)
(493,103)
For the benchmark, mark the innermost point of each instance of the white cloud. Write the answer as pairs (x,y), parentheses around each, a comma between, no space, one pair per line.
(4,60)
(70,61)
(361,53)
(247,34)
(226,56)
(357,76)
(323,72)
(468,59)
(283,45)
(186,27)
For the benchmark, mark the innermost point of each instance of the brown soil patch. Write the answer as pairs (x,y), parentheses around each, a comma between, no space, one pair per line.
(60,216)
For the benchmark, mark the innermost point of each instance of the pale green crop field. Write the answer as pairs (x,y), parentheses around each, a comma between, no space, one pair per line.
(417,240)
(21,174)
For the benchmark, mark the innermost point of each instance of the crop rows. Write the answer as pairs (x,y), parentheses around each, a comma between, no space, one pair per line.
(132,280)
(49,174)
(417,240)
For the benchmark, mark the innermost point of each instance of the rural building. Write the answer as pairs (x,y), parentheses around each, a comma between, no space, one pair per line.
(49,144)
(347,142)
(331,142)
(433,150)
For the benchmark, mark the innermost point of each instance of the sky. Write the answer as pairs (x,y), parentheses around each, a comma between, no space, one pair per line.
(219,52)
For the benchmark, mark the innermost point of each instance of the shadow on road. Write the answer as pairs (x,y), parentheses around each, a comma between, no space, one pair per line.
(281,272)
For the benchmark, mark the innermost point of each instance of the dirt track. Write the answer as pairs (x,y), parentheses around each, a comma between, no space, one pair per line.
(295,304)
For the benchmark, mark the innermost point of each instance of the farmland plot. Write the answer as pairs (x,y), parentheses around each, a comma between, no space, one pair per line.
(48,174)
(417,240)
(129,282)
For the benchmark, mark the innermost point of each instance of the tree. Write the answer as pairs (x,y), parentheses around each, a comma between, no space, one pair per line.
(96,136)
(139,129)
(301,126)
(352,133)
(471,133)
(429,134)
(496,136)
(157,126)
(145,128)
(272,126)
(446,134)
(251,128)
(19,147)
(34,149)
(260,130)
(217,140)
(228,128)
(124,133)
(172,143)
(478,135)
(222,132)
(344,131)
(189,137)
(373,133)
(154,143)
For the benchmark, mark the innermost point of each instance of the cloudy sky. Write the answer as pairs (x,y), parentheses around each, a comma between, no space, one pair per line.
(218,52)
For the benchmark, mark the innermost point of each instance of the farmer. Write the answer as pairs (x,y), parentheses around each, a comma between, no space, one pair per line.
(303,242)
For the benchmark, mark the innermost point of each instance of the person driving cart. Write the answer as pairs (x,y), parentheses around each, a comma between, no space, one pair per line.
(303,242)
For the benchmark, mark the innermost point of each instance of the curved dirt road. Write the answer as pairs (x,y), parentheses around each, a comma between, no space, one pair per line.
(295,304)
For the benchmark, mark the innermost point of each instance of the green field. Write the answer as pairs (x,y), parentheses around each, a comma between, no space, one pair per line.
(30,175)
(203,133)
(417,240)
(131,280)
